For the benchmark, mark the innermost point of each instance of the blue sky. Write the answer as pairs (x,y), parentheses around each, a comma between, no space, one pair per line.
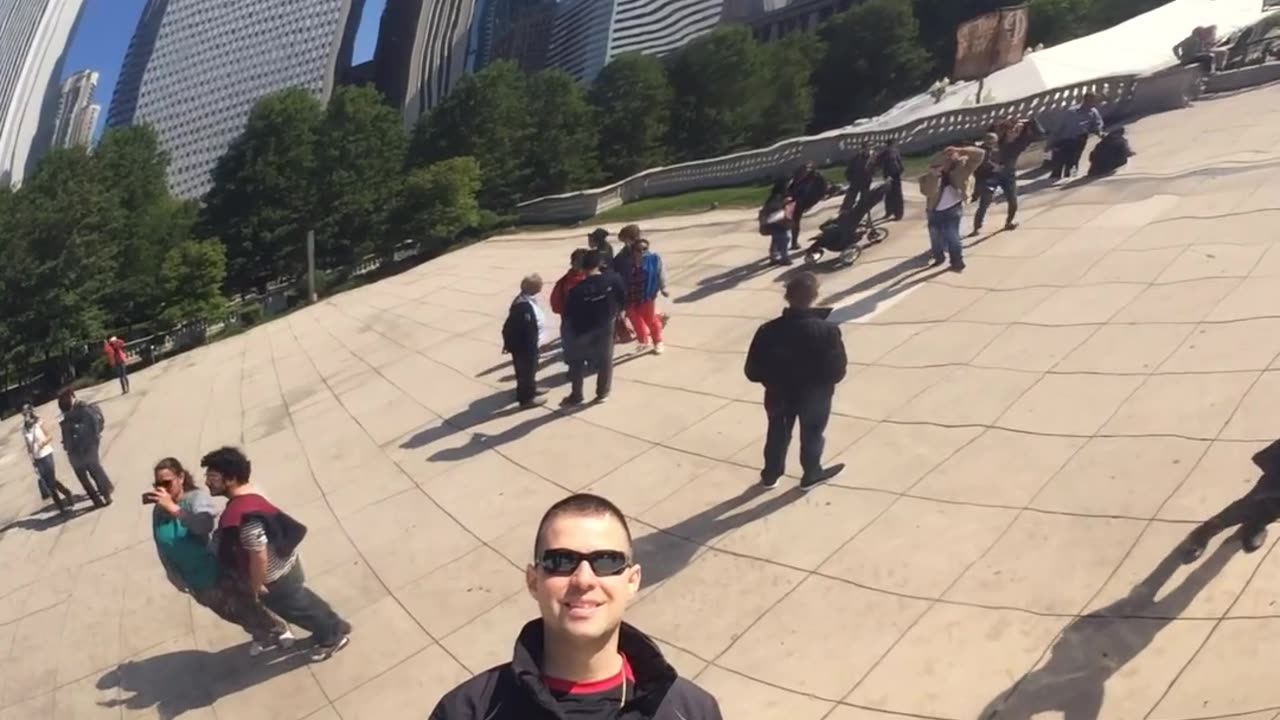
(107,26)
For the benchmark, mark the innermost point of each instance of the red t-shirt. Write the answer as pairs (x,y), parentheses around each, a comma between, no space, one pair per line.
(596,700)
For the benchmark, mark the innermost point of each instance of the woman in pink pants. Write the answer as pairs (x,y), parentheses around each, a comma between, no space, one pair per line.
(645,280)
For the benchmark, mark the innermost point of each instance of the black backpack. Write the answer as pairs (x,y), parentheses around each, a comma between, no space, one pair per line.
(81,427)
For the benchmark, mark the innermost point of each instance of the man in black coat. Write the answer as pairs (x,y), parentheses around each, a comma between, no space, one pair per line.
(891,166)
(522,335)
(580,660)
(592,310)
(858,175)
(808,188)
(799,358)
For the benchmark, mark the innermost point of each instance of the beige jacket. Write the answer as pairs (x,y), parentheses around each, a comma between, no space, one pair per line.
(961,176)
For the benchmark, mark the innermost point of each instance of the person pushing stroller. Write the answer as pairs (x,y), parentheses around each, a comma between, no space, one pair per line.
(843,233)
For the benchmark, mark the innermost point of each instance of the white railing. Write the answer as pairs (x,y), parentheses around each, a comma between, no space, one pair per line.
(1120,96)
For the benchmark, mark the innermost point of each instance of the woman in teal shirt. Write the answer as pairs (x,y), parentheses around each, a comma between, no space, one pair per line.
(182,521)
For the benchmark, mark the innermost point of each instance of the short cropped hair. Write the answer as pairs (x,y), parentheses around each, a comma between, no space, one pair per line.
(531,284)
(228,462)
(592,260)
(579,505)
(803,288)
(576,258)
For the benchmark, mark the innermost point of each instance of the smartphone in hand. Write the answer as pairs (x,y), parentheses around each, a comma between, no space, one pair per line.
(148,498)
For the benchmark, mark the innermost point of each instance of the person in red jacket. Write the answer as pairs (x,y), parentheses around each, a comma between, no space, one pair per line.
(118,360)
(560,297)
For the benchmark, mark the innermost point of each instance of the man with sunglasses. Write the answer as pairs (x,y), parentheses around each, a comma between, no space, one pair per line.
(580,660)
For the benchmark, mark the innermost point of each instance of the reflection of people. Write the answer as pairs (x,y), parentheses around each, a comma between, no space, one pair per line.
(799,358)
(646,280)
(1110,154)
(118,360)
(890,164)
(858,174)
(1253,512)
(257,543)
(592,309)
(82,425)
(523,333)
(1010,139)
(181,523)
(807,189)
(40,450)
(945,187)
(580,659)
(1073,135)
(775,222)
(1095,647)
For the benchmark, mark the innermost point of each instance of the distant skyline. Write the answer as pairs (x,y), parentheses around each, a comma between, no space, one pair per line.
(107,26)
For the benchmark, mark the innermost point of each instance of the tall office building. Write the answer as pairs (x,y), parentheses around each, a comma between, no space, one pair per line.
(588,34)
(422,52)
(195,69)
(77,113)
(33,43)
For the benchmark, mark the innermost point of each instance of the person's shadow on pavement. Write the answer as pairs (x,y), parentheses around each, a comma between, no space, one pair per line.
(1096,646)
(179,682)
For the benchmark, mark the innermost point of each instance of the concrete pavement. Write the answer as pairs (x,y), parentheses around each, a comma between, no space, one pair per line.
(1027,444)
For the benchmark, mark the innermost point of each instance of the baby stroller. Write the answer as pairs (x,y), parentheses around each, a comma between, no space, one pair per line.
(844,233)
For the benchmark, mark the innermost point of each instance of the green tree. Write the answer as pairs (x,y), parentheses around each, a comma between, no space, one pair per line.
(788,107)
(719,84)
(561,152)
(633,99)
(145,220)
(437,202)
(1057,21)
(191,278)
(262,202)
(1105,13)
(873,58)
(359,158)
(485,117)
(59,257)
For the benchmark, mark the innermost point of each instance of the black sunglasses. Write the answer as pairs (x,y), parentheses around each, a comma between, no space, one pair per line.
(604,563)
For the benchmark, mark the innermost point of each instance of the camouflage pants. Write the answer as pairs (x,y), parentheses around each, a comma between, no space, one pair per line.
(235,605)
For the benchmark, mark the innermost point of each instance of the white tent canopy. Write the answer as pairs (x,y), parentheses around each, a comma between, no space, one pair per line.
(1140,45)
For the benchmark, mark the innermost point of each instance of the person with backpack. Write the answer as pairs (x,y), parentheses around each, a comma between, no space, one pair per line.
(82,426)
(646,279)
(523,334)
(775,222)
(808,188)
(258,543)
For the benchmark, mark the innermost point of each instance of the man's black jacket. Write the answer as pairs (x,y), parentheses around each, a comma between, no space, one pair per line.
(516,691)
(595,302)
(520,331)
(798,351)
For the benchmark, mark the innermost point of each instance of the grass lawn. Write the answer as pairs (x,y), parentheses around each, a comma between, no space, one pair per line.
(742,196)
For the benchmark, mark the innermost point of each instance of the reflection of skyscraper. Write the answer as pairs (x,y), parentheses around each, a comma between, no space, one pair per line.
(33,42)
(195,69)
(422,52)
(77,113)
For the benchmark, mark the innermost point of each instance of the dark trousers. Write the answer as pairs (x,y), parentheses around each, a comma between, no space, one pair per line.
(894,206)
(592,348)
(290,598)
(526,366)
(237,606)
(857,190)
(122,372)
(1066,156)
(49,485)
(1255,510)
(93,479)
(1007,183)
(812,407)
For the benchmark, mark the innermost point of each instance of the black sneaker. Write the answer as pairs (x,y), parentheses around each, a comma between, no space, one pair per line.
(571,401)
(1011,226)
(810,482)
(769,482)
(957,267)
(601,399)
(1252,540)
(320,653)
(536,402)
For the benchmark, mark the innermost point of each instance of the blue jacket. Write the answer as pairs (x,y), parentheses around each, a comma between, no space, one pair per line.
(654,277)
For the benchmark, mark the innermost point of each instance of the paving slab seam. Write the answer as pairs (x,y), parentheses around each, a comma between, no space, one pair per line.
(347,535)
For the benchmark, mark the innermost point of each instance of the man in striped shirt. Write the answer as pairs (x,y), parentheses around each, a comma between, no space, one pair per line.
(258,542)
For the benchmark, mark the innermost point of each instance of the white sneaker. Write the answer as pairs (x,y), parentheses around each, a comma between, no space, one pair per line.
(642,348)
(658,348)
(284,641)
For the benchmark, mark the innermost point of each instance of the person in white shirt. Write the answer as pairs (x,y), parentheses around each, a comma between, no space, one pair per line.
(40,449)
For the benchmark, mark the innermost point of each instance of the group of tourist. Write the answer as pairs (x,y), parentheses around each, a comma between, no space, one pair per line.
(596,298)
(242,563)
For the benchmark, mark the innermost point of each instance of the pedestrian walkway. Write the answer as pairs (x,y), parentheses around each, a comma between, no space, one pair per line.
(1027,444)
